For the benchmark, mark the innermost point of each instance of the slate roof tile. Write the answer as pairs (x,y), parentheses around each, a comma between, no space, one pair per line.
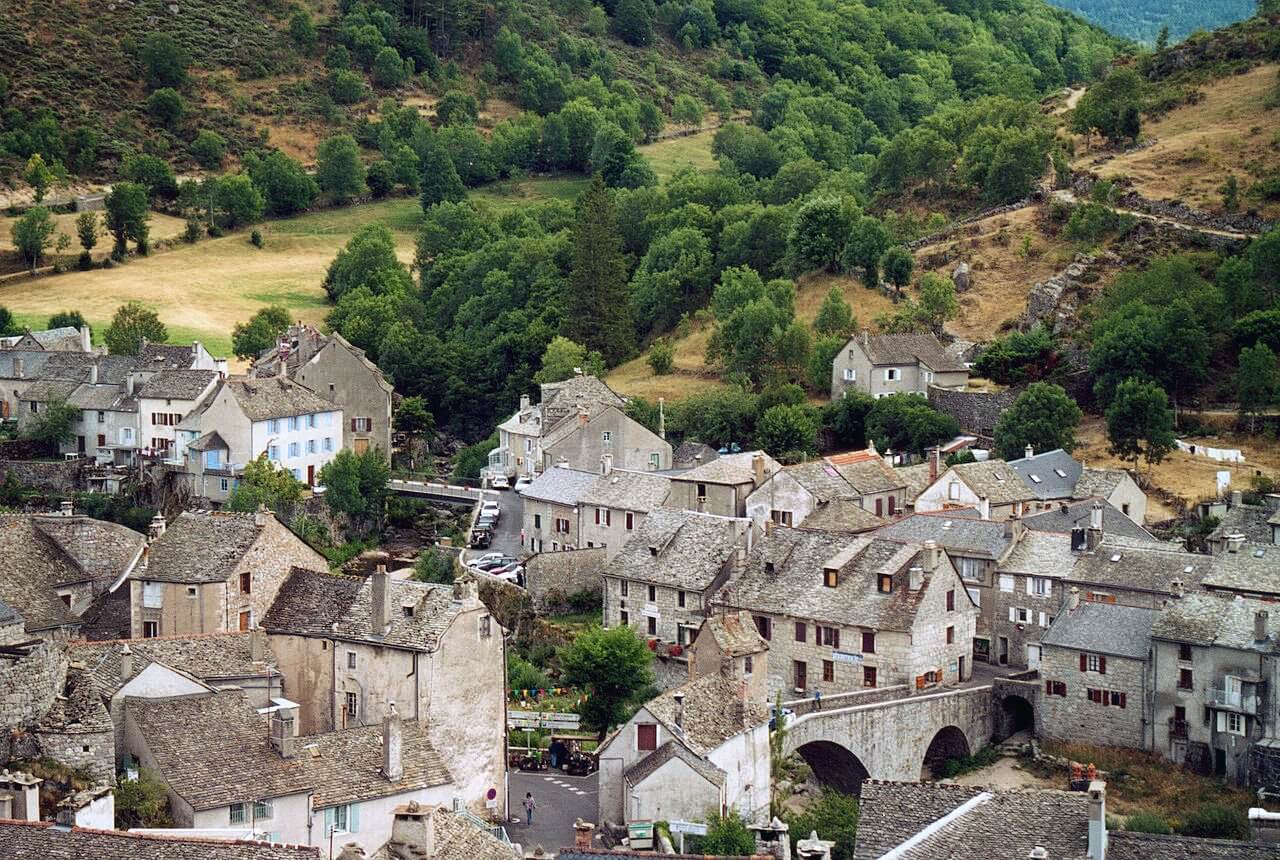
(201,546)
(1050,475)
(1124,564)
(560,485)
(102,550)
(41,840)
(906,349)
(1206,618)
(682,549)
(1067,516)
(275,397)
(957,531)
(713,712)
(995,480)
(1105,628)
(35,566)
(673,749)
(625,489)
(178,384)
(209,657)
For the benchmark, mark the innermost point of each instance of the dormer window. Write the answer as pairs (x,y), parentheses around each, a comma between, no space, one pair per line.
(830,577)
(769,567)
(953,490)
(886,583)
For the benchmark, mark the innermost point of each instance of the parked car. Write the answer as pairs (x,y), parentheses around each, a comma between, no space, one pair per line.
(490,508)
(480,538)
(500,482)
(522,482)
(488,556)
(511,573)
(492,564)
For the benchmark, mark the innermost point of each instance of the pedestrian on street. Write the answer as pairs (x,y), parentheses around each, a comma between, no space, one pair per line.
(529,807)
(817,700)
(522,538)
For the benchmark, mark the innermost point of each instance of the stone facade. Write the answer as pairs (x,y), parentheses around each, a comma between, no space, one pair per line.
(552,578)
(976,411)
(29,684)
(1021,609)
(550,526)
(61,476)
(659,611)
(1069,714)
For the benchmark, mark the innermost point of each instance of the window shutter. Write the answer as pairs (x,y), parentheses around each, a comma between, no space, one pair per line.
(1102,665)
(1084,663)
(1029,590)
(1048,688)
(353,424)
(1222,721)
(1013,614)
(1120,699)
(836,640)
(353,818)
(1044,621)
(597,516)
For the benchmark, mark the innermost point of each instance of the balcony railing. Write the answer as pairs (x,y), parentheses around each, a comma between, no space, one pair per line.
(1177,728)
(1234,700)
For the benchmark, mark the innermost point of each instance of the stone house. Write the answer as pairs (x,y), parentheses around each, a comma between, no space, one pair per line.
(1117,488)
(1114,569)
(615,505)
(213,572)
(854,490)
(994,489)
(62,339)
(1055,476)
(33,671)
(721,487)
(1028,595)
(696,750)
(842,613)
(1066,516)
(1239,523)
(662,580)
(49,841)
(154,357)
(227,765)
(1214,666)
(77,731)
(296,429)
(885,364)
(729,640)
(426,833)
(1251,570)
(163,401)
(1096,671)
(348,646)
(331,367)
(552,519)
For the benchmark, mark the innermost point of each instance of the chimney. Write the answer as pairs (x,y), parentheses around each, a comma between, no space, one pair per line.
(284,736)
(1097,820)
(932,556)
(662,418)
(66,508)
(126,664)
(66,815)
(413,828)
(1235,542)
(128,384)
(142,344)
(380,592)
(24,793)
(1028,452)
(93,374)
(984,508)
(1078,543)
(351,851)
(17,368)
(1095,516)
(915,578)
(1073,599)
(1177,588)
(260,516)
(562,463)
(392,744)
(156,529)
(757,468)
(281,362)
(465,589)
(86,341)
(6,806)
(1260,625)
(935,462)
(1237,498)
(679,700)
(606,464)
(195,350)
(582,833)
(866,339)
(524,403)
(257,644)
(584,415)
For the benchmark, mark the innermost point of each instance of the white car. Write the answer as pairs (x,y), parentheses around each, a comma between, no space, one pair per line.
(522,482)
(486,557)
(500,482)
(491,509)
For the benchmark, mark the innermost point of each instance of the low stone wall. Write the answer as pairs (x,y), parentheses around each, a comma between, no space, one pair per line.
(28,685)
(848,700)
(58,476)
(553,577)
(977,411)
(92,752)
(951,229)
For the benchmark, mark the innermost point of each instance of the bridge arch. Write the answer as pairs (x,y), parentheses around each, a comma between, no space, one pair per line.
(1017,714)
(834,766)
(947,743)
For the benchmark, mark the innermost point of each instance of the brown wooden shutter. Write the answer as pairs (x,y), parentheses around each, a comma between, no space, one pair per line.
(1084,663)
(836,637)
(353,425)
(1102,665)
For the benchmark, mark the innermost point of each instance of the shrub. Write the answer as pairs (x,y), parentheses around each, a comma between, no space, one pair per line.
(1147,822)
(346,87)
(388,68)
(662,356)
(256,238)
(166,106)
(1216,821)
(85,261)
(164,61)
(208,149)
(192,233)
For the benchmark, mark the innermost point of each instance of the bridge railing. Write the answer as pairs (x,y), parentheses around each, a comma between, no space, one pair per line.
(454,491)
(845,700)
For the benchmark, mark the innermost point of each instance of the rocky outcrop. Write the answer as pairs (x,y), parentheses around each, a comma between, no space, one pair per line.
(1056,302)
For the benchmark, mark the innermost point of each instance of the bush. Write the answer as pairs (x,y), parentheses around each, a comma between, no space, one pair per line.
(256,238)
(434,565)
(388,68)
(208,149)
(1215,821)
(192,233)
(1147,822)
(662,356)
(346,87)
(85,261)
(166,106)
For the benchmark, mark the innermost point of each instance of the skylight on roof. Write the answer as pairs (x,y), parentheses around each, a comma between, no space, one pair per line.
(1035,478)
(1259,552)
(1059,473)
(1188,569)
(1115,557)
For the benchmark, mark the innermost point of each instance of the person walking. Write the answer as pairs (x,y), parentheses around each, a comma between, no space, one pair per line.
(817,700)
(529,807)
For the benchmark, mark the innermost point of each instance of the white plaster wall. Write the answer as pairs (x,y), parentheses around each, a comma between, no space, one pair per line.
(376,818)
(99,814)
(328,426)
(936,496)
(745,759)
(674,791)
(619,753)
(781,492)
(1129,493)
(290,820)
(148,431)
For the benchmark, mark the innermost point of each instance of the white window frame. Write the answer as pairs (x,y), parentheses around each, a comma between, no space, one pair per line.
(892,374)
(975,594)
(1235,723)
(263,810)
(953,491)
(1006,583)
(850,375)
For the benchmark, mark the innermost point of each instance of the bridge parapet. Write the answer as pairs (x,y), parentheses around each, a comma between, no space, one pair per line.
(837,701)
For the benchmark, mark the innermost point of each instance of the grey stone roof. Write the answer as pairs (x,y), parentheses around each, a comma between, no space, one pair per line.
(1067,516)
(730,469)
(713,712)
(1105,628)
(8,615)
(822,481)
(1004,824)
(210,441)
(1051,475)
(41,840)
(213,751)
(34,567)
(906,349)
(867,472)
(560,485)
(107,617)
(1146,846)
(842,515)
(632,491)
(682,549)
(1123,564)
(108,397)
(1040,554)
(201,546)
(691,454)
(209,657)
(165,356)
(328,606)
(784,574)
(959,532)
(101,550)
(1098,482)
(1252,521)
(456,838)
(1207,618)
(673,749)
(735,634)
(77,709)
(995,480)
(1254,569)
(58,338)
(178,384)
(916,479)
(50,390)
(275,397)
(559,398)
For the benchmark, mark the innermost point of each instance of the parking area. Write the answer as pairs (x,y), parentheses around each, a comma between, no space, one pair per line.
(506,537)
(559,801)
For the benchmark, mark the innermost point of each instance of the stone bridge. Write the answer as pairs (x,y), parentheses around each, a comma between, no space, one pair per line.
(895,734)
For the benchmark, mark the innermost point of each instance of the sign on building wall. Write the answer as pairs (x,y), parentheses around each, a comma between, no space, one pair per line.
(845,657)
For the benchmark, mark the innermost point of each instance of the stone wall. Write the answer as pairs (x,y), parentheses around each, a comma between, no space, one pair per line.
(92,752)
(59,476)
(977,411)
(553,577)
(1072,717)
(29,684)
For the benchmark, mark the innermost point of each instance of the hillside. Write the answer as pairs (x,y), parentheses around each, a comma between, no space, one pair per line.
(1142,20)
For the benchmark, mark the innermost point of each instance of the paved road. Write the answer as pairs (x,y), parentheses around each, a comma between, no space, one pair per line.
(560,800)
(506,537)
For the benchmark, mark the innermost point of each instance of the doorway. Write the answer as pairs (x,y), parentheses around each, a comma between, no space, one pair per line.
(1033,656)
(1002,656)
(360,445)
(311,475)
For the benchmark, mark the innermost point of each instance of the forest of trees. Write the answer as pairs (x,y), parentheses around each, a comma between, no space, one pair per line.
(1145,20)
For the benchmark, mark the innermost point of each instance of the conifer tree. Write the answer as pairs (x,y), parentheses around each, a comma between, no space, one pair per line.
(440,180)
(597,314)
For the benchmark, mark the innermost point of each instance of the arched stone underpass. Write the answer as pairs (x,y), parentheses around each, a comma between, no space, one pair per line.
(1016,715)
(834,766)
(949,743)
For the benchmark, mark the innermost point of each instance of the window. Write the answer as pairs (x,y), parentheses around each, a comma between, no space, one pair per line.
(150,629)
(747,664)
(537,521)
(1185,680)
(971,569)
(850,375)
(273,425)
(680,599)
(102,440)
(293,449)
(646,736)
(802,632)
(486,626)
(1055,688)
(975,595)
(782,518)
(351,659)
(653,626)
(562,525)
(353,705)
(246,583)
(828,672)
(311,422)
(655,461)
(630,520)
(868,676)
(607,437)
(879,507)
(1235,723)
(407,611)
(702,491)
(868,642)
(626,587)
(1093,663)
(1038,586)
(764,626)
(246,619)
(1006,582)
(886,583)
(1100,597)
(192,591)
(328,443)
(951,636)
(653,593)
(297,473)
(311,446)
(830,577)
(1019,615)
(343,818)
(223,484)
(237,813)
(951,600)
(1184,652)
(891,374)
(953,490)
(608,517)
(1106,698)
(361,425)
(800,675)
(623,618)
(828,636)
(273,452)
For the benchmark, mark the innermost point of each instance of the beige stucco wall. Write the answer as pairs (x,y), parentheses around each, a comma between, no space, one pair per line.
(340,377)
(723,500)
(632,445)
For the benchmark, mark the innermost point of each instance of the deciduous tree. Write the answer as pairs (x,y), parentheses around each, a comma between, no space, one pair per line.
(614,668)
(249,339)
(338,169)
(1140,422)
(1043,416)
(132,323)
(32,234)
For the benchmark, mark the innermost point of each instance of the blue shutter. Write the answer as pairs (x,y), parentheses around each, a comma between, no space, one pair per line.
(353,817)
(328,821)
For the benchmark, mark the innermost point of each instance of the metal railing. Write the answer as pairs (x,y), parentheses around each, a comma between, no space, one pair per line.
(1177,728)
(1236,700)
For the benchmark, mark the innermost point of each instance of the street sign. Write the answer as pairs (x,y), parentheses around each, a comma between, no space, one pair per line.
(693,828)
(845,657)
(543,720)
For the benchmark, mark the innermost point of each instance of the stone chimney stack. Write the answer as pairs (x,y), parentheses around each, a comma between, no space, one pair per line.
(257,644)
(524,403)
(195,350)
(1028,452)
(935,462)
(126,664)
(157,527)
(813,848)
(86,340)
(414,829)
(1097,820)
(1073,599)
(392,744)
(67,508)
(380,594)
(129,383)
(1177,588)
(757,469)
(1260,625)
(932,556)
(1235,542)
(679,700)
(93,374)
(284,732)
(18,368)
(915,578)
(6,806)
(260,517)
(24,791)
(1237,498)
(662,418)
(984,508)
(1095,516)
(582,833)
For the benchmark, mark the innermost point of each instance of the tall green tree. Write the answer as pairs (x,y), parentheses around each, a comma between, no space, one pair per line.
(264,484)
(440,180)
(53,426)
(633,22)
(356,484)
(38,175)
(250,339)
(1140,422)
(820,232)
(128,213)
(67,319)
(563,358)
(32,234)
(867,244)
(164,60)
(835,316)
(338,169)
(786,429)
(132,323)
(597,314)
(1043,416)
(615,669)
(898,267)
(1257,382)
